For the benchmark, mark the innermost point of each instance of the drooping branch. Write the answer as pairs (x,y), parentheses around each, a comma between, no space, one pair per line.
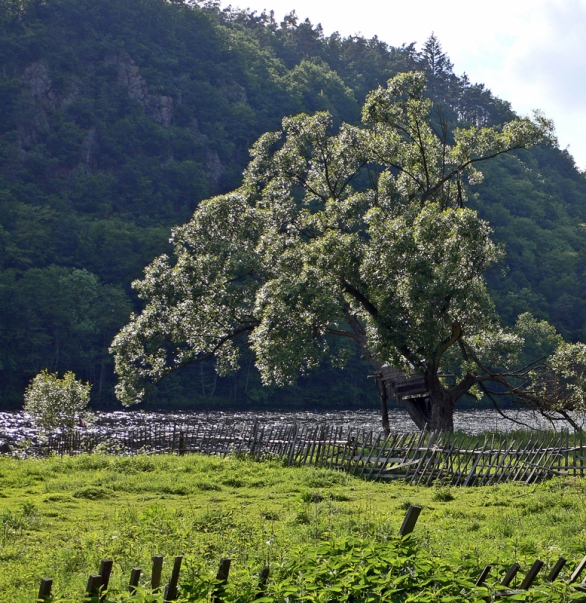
(222,341)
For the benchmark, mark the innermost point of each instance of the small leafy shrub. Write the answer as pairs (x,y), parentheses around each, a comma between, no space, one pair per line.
(312,497)
(56,403)
(208,486)
(86,462)
(57,498)
(178,489)
(325,478)
(213,521)
(302,518)
(134,464)
(340,497)
(507,526)
(92,493)
(442,494)
(354,569)
(234,482)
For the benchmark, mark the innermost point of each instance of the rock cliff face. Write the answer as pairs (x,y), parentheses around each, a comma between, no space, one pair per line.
(36,75)
(214,168)
(159,107)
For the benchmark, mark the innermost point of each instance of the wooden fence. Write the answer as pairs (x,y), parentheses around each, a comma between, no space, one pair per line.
(419,458)
(98,584)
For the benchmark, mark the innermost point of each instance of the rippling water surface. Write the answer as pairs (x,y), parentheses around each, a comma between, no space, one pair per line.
(16,426)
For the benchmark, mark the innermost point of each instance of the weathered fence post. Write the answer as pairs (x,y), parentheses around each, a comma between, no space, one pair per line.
(557,568)
(531,575)
(579,569)
(483,575)
(134,578)
(581,454)
(181,443)
(254,435)
(410,520)
(506,581)
(171,589)
(105,572)
(263,578)
(222,577)
(93,585)
(293,442)
(157,571)
(45,589)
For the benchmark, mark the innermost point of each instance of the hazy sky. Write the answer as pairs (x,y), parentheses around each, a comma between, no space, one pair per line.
(529,52)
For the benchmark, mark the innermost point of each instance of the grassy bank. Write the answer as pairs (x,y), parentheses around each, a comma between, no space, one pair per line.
(60,516)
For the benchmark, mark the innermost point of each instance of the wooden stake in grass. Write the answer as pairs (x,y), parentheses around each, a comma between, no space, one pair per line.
(93,585)
(557,568)
(531,575)
(410,520)
(105,572)
(171,589)
(483,575)
(263,578)
(157,571)
(506,581)
(222,577)
(134,578)
(45,589)
(579,569)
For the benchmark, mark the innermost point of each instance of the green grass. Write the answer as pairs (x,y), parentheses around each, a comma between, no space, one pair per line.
(60,516)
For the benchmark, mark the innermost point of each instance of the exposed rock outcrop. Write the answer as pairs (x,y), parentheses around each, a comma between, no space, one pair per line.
(88,151)
(36,75)
(159,107)
(214,168)
(235,92)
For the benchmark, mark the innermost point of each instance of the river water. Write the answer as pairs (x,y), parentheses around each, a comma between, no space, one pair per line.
(15,427)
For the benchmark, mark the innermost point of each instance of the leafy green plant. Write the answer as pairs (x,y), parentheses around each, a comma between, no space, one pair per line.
(442,494)
(56,403)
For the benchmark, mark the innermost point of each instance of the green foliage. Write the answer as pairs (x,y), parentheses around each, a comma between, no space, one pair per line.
(60,516)
(361,234)
(57,404)
(117,117)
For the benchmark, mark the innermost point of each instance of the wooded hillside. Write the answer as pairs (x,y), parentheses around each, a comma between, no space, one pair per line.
(118,116)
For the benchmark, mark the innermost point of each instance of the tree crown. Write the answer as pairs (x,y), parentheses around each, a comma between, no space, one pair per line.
(362,234)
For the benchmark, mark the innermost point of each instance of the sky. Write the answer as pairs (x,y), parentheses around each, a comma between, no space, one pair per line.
(531,53)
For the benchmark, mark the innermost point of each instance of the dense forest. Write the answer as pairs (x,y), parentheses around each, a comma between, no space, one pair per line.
(118,116)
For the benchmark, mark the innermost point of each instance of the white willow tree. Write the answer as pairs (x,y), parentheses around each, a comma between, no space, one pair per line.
(361,234)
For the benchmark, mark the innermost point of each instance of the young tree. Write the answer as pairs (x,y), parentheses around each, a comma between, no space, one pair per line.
(56,403)
(362,234)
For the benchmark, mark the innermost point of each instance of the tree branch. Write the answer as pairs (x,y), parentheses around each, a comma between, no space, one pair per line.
(361,298)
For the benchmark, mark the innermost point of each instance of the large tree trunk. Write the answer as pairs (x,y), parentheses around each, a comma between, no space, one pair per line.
(419,410)
(441,402)
(435,412)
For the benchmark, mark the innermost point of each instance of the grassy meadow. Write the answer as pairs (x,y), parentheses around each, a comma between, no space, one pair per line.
(61,516)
